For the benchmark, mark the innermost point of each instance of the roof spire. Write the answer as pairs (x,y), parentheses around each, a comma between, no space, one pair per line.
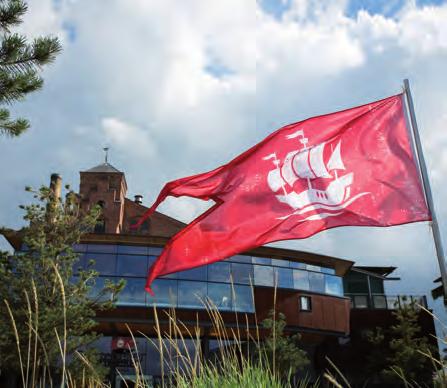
(106,156)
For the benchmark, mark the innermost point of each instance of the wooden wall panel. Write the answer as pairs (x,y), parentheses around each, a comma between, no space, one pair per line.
(329,313)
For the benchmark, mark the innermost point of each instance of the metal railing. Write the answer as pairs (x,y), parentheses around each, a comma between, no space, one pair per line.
(385,302)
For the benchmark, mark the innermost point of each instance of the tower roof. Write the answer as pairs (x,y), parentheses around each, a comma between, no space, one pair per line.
(104,167)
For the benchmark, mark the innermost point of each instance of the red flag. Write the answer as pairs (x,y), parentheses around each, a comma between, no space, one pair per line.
(353,167)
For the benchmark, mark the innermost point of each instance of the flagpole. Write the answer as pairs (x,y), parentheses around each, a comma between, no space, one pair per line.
(427,188)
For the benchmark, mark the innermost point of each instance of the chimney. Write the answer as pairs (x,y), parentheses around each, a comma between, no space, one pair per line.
(138,199)
(56,185)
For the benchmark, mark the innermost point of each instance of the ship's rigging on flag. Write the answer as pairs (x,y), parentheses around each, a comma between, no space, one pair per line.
(309,164)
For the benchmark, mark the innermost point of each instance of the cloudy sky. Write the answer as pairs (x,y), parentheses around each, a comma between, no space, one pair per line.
(179,87)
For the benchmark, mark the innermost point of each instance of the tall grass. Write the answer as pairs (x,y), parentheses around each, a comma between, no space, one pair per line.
(41,373)
(235,365)
(240,360)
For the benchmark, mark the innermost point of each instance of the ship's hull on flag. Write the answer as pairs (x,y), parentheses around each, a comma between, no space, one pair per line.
(354,167)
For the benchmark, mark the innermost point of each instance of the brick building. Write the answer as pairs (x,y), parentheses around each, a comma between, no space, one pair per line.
(326,299)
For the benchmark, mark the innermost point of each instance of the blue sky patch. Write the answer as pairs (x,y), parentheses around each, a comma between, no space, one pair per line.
(70,29)
(217,69)
(387,8)
(275,8)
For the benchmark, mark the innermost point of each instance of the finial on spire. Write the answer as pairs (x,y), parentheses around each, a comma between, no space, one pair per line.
(106,150)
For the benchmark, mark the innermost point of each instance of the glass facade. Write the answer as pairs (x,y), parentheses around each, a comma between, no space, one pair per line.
(226,284)
(118,355)
(366,291)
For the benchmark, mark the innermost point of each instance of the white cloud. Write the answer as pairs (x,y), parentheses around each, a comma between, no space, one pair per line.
(41,18)
(136,76)
(128,138)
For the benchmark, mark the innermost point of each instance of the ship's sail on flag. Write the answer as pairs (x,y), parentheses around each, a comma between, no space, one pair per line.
(354,167)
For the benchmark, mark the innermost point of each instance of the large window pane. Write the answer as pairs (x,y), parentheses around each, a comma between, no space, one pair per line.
(300,280)
(220,295)
(219,272)
(240,259)
(330,271)
(263,275)
(376,285)
(334,285)
(105,264)
(294,264)
(262,260)
(102,344)
(316,281)
(153,364)
(243,299)
(284,277)
(151,260)
(79,264)
(356,283)
(361,301)
(379,301)
(198,273)
(80,247)
(280,263)
(101,248)
(314,268)
(133,249)
(155,251)
(165,293)
(97,285)
(132,265)
(191,294)
(133,293)
(242,273)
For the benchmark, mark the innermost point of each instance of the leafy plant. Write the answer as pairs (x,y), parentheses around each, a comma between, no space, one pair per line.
(47,309)
(400,354)
(282,351)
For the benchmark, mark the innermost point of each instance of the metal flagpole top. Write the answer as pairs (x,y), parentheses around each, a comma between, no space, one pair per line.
(427,189)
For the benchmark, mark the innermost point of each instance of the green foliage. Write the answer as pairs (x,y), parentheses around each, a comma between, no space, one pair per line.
(253,375)
(400,353)
(20,63)
(282,351)
(45,307)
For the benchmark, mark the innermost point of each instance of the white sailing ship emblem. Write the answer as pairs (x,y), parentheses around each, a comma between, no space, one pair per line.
(307,163)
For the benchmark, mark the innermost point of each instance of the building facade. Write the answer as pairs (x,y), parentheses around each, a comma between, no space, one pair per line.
(321,296)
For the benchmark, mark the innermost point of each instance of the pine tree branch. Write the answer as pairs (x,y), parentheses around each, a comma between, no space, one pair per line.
(11,13)
(17,56)
(9,127)
(14,87)
(20,63)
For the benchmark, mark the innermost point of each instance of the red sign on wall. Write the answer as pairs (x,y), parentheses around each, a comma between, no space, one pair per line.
(126,343)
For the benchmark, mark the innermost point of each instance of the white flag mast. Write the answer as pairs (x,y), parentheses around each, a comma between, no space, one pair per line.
(427,189)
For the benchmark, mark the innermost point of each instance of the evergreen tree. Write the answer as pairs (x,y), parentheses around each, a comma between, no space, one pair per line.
(282,351)
(20,63)
(401,353)
(47,303)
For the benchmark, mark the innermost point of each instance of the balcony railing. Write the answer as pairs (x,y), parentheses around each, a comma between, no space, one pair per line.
(385,302)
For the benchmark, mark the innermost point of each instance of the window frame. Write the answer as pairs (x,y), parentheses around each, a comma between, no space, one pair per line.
(309,303)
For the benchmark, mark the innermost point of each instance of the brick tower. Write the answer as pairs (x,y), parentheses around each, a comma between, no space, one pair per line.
(106,186)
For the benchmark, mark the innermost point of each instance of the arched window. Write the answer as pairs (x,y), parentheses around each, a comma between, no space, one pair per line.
(100,226)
